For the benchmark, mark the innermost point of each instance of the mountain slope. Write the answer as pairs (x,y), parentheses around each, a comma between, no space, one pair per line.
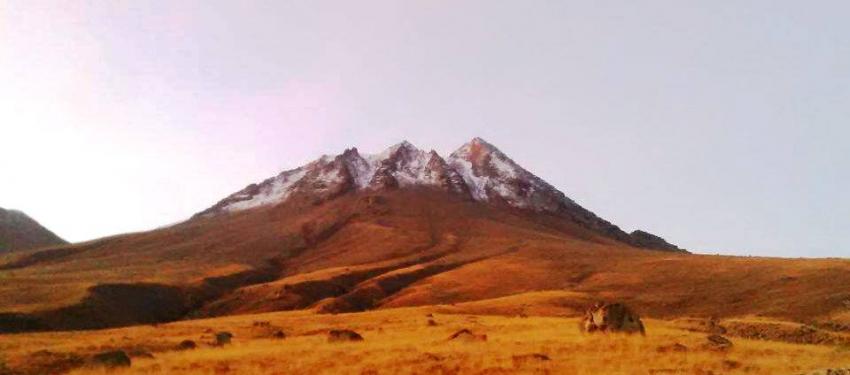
(391,248)
(477,170)
(20,232)
(404,227)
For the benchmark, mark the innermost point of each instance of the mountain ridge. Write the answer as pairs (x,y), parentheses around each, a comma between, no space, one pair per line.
(477,171)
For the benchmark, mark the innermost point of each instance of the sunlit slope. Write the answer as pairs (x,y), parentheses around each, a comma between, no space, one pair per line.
(391,249)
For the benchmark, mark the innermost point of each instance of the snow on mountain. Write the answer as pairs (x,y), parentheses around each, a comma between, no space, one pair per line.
(267,193)
(477,170)
(400,166)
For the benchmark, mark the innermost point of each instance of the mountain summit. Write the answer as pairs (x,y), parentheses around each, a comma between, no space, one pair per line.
(476,171)
(404,227)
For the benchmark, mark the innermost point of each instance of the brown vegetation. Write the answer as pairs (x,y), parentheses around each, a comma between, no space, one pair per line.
(518,279)
(398,343)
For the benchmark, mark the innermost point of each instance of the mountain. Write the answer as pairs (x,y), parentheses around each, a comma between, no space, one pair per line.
(20,232)
(477,171)
(403,227)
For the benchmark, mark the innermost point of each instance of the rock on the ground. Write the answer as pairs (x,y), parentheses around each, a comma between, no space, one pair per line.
(613,317)
(342,335)
(116,358)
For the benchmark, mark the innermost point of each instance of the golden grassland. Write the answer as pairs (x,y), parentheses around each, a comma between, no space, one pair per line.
(399,341)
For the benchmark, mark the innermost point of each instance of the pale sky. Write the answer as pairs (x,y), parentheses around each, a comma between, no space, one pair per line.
(723,126)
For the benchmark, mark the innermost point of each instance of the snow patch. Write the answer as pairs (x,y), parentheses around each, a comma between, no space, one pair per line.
(276,192)
(504,167)
(411,166)
(477,185)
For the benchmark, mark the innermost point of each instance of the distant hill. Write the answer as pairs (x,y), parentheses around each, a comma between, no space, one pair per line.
(20,232)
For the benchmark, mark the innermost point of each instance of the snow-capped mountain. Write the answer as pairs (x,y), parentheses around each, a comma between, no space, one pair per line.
(477,171)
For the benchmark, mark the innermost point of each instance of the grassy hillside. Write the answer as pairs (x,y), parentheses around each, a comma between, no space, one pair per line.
(394,249)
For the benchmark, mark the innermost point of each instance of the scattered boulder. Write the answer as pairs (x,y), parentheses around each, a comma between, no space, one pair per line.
(111,359)
(431,323)
(717,342)
(467,335)
(279,334)
(613,317)
(343,335)
(650,241)
(223,338)
(186,345)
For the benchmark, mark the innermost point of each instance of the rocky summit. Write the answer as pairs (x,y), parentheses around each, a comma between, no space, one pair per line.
(476,171)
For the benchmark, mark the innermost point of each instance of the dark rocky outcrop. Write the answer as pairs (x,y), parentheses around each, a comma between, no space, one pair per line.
(223,338)
(186,345)
(343,335)
(614,317)
(648,240)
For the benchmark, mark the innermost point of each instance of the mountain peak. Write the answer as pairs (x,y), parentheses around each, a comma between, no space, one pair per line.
(480,142)
(18,231)
(477,170)
(404,145)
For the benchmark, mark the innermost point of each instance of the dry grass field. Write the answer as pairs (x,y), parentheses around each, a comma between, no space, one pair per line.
(401,341)
(378,264)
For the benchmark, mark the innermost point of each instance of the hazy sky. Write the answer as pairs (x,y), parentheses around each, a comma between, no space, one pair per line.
(723,126)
